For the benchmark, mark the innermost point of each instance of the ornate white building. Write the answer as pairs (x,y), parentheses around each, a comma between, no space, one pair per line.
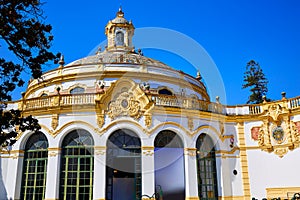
(120,126)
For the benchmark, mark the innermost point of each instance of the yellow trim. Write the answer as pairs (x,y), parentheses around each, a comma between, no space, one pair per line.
(244,161)
(191,198)
(232,151)
(147,148)
(11,152)
(54,149)
(232,198)
(99,147)
(282,192)
(55,133)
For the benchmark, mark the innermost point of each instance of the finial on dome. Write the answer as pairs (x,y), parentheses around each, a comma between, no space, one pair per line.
(199,77)
(61,61)
(120,13)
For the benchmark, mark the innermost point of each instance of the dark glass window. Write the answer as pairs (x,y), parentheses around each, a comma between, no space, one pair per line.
(77,167)
(169,166)
(165,92)
(77,90)
(206,168)
(119,38)
(123,166)
(35,167)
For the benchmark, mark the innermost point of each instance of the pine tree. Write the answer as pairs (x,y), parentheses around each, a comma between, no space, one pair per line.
(255,79)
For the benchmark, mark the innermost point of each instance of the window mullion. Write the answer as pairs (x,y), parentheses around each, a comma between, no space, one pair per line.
(35,177)
(66,178)
(44,175)
(78,177)
(26,179)
(91,176)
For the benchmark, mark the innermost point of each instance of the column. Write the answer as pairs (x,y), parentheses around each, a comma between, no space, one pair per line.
(99,173)
(14,173)
(190,169)
(148,171)
(53,174)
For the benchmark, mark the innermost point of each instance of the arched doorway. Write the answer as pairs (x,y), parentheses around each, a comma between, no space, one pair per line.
(77,166)
(35,167)
(123,166)
(169,166)
(206,168)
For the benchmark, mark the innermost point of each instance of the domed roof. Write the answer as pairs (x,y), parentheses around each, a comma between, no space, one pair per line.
(119,57)
(120,18)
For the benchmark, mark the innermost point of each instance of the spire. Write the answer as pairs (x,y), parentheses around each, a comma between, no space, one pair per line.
(120,13)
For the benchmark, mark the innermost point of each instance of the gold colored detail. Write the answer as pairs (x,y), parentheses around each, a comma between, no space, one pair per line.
(100,150)
(232,151)
(12,152)
(54,149)
(124,98)
(55,133)
(148,148)
(191,198)
(244,161)
(54,122)
(277,133)
(190,151)
(148,120)
(232,198)
(282,192)
(100,120)
(52,153)
(148,152)
(190,123)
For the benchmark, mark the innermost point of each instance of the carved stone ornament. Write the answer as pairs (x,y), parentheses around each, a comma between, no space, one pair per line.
(100,120)
(277,133)
(191,123)
(148,120)
(54,122)
(124,98)
(124,105)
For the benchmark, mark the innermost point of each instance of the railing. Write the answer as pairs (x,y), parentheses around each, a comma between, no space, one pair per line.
(255,109)
(59,100)
(77,99)
(294,103)
(40,102)
(186,103)
(159,100)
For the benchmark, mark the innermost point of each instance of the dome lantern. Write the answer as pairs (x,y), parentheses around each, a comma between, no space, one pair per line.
(119,33)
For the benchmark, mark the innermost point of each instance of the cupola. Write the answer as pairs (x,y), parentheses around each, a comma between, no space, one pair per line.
(119,33)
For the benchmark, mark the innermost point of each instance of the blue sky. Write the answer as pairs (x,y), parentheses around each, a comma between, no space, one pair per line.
(232,32)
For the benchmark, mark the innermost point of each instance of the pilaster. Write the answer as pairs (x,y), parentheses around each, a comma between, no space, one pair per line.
(53,174)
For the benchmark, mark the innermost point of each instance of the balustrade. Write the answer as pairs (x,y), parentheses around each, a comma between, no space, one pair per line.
(159,100)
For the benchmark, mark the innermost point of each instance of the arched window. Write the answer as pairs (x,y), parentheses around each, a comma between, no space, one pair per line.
(206,168)
(123,166)
(44,95)
(169,166)
(119,38)
(77,166)
(35,167)
(77,90)
(165,92)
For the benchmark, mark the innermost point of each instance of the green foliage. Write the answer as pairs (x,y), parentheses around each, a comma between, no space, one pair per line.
(11,122)
(255,79)
(25,34)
